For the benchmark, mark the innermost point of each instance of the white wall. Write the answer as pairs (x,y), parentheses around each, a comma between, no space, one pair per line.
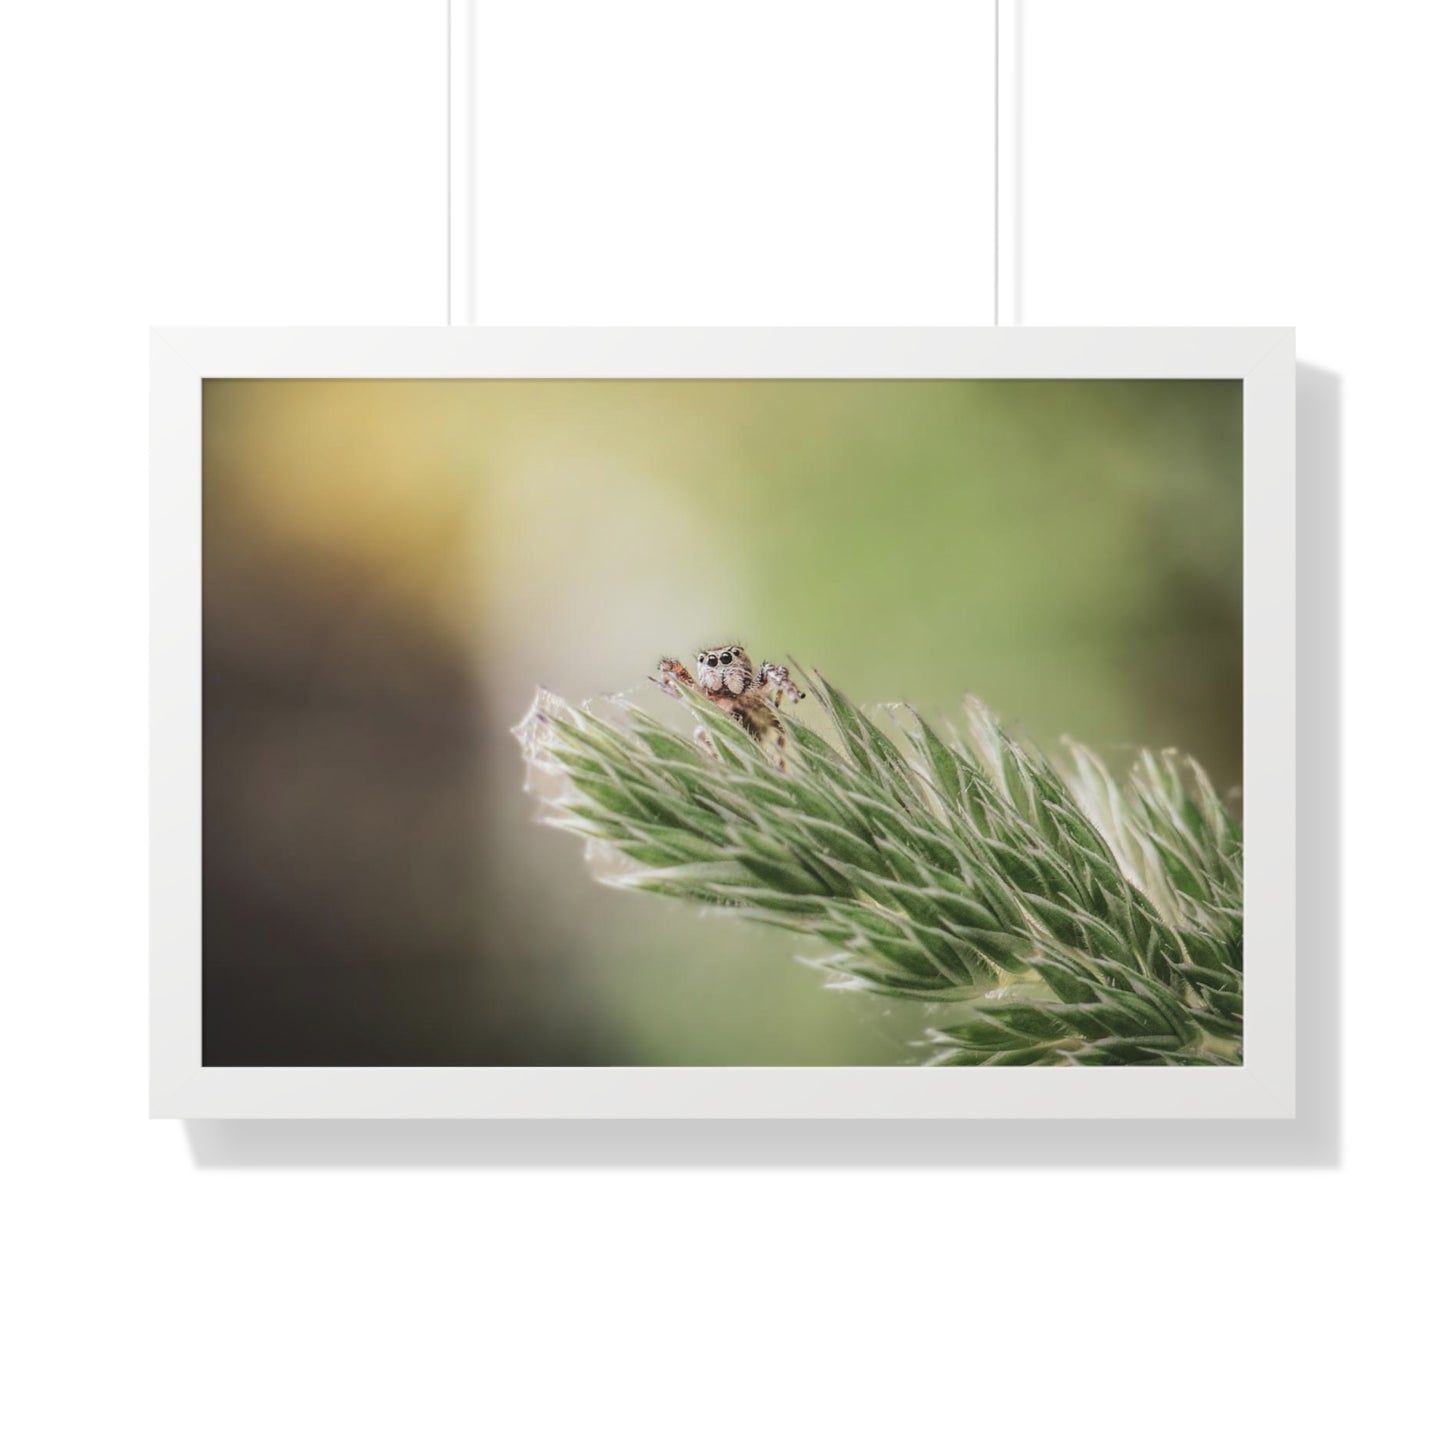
(1262,162)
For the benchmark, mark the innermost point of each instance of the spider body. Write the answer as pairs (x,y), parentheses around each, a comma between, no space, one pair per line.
(726,677)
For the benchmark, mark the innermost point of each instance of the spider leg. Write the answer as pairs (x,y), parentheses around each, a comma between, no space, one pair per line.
(671,675)
(703,739)
(774,680)
(780,749)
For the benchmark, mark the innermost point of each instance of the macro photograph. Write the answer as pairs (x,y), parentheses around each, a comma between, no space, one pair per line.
(669,723)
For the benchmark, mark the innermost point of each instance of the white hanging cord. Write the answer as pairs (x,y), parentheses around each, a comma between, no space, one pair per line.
(459,101)
(459,169)
(449,164)
(1007,162)
(995,161)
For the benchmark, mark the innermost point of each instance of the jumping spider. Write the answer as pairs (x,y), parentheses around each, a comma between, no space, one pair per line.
(726,677)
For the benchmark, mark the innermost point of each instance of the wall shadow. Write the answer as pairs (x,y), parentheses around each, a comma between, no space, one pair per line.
(1311,1140)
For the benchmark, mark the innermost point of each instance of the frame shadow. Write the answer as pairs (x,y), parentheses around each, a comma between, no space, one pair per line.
(1311,1140)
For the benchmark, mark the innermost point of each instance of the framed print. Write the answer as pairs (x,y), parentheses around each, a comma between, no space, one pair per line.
(723,723)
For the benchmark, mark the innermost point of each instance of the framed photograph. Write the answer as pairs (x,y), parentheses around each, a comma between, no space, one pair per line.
(723,723)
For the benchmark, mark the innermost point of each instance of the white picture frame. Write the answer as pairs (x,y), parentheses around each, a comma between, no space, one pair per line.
(1263,1087)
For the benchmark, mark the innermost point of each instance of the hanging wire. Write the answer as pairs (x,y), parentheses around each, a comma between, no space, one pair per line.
(451,259)
(995,161)
(448,169)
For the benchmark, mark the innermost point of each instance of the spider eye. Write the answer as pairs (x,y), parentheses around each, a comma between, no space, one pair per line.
(712,659)
(726,658)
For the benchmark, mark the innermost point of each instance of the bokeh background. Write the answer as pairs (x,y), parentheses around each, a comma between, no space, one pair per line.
(392,568)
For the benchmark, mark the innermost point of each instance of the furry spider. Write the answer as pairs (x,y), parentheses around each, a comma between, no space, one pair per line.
(726,677)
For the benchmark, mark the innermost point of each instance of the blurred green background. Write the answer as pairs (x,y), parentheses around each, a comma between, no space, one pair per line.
(391,568)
